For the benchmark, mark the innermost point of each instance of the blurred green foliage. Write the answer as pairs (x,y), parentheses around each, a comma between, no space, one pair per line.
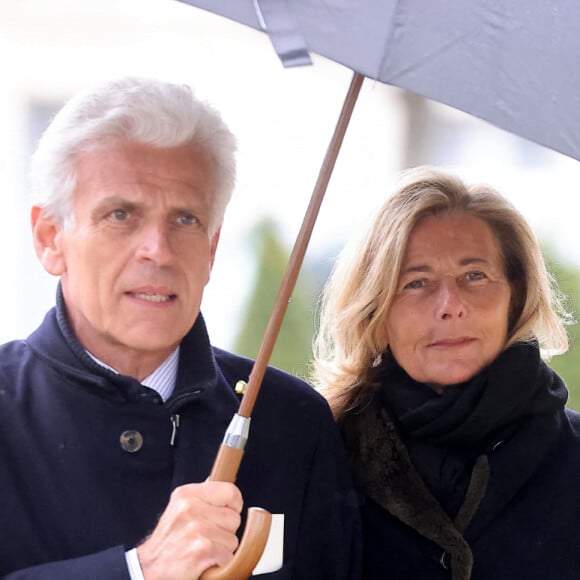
(292,351)
(568,365)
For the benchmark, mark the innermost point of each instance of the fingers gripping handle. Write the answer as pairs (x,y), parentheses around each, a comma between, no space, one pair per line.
(250,549)
(255,536)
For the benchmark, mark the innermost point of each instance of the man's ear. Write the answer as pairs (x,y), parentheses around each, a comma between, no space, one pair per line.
(214,244)
(47,236)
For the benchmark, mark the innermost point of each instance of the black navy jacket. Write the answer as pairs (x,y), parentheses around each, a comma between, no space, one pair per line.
(526,526)
(72,500)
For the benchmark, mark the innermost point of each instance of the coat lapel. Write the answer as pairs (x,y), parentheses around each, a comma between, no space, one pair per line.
(386,474)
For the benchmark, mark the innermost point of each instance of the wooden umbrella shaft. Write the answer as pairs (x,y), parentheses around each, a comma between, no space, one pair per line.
(229,457)
(299,251)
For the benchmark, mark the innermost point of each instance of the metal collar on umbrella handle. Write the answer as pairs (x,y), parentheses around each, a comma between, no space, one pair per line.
(225,468)
(231,451)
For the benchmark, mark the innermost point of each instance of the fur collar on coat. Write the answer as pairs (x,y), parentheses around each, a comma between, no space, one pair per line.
(386,474)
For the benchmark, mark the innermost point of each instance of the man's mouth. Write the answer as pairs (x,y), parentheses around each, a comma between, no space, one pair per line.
(152,297)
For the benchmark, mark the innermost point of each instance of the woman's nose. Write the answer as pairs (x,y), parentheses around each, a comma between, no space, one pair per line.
(450,303)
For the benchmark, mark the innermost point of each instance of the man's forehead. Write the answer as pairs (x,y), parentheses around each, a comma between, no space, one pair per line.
(142,171)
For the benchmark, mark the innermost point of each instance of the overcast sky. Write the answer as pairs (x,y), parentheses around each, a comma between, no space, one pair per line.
(283,120)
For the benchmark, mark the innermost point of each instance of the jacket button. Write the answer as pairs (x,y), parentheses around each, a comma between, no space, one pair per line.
(131,441)
(497,445)
(445,560)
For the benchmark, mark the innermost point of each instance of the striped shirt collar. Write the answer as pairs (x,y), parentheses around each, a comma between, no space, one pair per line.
(162,379)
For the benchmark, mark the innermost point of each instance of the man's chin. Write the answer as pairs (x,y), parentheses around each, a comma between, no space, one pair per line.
(151,341)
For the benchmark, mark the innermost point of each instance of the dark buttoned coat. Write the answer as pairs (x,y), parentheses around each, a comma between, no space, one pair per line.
(88,458)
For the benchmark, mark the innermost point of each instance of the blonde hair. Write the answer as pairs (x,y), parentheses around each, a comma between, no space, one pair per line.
(358,295)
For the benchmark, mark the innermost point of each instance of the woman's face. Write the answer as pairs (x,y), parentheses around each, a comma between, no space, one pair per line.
(449,316)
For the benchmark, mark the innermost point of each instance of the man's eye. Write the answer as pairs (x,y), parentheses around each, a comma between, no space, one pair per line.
(120,215)
(187,220)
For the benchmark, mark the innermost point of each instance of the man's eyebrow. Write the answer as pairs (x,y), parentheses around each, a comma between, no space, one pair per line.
(115,201)
(118,200)
(188,208)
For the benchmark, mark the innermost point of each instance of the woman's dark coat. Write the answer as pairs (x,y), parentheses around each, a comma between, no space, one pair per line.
(518,519)
(70,491)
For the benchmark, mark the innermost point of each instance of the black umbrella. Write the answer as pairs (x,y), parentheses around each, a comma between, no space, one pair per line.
(509,63)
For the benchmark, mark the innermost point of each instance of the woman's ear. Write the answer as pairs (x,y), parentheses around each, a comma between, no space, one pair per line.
(47,237)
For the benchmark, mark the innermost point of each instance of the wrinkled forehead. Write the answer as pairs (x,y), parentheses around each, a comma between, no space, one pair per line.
(177,176)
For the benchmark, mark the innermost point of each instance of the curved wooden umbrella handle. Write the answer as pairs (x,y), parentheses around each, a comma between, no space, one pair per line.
(249,551)
(255,536)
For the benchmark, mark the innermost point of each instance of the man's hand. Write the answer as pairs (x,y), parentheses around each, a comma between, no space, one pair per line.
(196,531)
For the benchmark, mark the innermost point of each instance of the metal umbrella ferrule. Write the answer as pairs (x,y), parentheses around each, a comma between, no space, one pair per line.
(237,433)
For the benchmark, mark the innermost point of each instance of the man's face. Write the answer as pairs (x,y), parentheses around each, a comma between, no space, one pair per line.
(134,265)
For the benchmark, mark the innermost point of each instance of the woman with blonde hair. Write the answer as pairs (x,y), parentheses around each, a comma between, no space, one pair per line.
(435,327)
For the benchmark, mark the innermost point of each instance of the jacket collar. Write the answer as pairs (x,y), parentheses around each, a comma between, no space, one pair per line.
(55,342)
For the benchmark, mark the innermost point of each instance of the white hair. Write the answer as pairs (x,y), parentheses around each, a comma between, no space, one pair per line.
(137,110)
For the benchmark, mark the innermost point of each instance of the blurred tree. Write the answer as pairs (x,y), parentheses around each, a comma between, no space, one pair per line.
(293,350)
(568,365)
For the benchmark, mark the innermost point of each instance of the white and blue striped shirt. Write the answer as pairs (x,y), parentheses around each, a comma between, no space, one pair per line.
(162,380)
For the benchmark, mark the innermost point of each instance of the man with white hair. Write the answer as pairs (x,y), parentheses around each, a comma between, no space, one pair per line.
(112,411)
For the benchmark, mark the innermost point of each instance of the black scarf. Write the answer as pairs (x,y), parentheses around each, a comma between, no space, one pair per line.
(517,395)
(472,414)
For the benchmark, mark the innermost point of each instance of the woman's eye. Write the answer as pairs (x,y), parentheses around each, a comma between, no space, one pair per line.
(474,276)
(414,284)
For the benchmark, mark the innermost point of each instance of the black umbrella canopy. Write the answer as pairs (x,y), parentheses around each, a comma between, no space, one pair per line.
(510,63)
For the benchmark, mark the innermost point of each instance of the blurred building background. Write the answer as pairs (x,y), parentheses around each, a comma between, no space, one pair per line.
(283,120)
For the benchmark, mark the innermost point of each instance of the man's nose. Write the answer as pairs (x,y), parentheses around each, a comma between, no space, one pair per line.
(450,302)
(155,244)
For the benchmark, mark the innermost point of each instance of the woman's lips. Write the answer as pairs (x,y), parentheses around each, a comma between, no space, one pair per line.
(452,342)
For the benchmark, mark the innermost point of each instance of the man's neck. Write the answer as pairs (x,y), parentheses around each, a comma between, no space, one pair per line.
(162,379)
(139,366)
